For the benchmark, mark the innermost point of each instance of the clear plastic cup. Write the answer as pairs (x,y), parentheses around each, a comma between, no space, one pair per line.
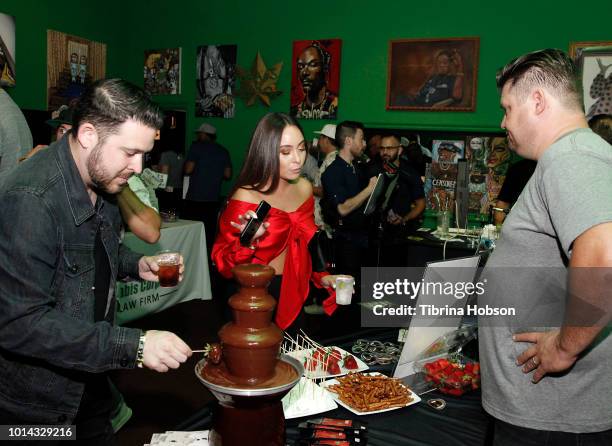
(345,286)
(169,264)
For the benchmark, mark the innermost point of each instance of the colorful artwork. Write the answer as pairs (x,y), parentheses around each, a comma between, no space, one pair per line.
(315,79)
(216,80)
(433,74)
(162,71)
(476,152)
(596,77)
(497,160)
(73,63)
(259,82)
(440,183)
(488,158)
(7,50)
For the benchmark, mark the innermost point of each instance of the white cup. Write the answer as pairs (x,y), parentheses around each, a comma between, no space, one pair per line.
(344,289)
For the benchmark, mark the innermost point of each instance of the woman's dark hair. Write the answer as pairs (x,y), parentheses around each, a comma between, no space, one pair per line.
(262,161)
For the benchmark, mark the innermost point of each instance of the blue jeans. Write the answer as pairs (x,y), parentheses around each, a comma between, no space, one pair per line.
(509,435)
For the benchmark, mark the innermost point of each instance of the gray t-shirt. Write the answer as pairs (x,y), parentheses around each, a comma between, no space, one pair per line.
(15,135)
(569,192)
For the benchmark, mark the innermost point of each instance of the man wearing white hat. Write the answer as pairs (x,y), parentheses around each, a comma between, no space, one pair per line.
(208,164)
(327,146)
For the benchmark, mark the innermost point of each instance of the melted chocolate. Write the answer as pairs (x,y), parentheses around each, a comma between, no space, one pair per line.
(284,373)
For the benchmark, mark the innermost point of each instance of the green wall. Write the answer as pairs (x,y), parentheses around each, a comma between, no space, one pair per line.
(129,27)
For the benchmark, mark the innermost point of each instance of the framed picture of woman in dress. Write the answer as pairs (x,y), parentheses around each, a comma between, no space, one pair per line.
(433,74)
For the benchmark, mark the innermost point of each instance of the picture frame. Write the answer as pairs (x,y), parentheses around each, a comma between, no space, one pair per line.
(73,63)
(7,50)
(575,48)
(315,79)
(433,74)
(162,71)
(595,68)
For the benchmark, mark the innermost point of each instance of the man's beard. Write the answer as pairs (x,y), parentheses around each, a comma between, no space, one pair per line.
(100,179)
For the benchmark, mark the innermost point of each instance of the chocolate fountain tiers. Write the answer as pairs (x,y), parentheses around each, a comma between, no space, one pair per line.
(250,380)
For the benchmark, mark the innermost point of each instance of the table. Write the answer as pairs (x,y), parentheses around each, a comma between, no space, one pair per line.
(421,247)
(463,422)
(137,298)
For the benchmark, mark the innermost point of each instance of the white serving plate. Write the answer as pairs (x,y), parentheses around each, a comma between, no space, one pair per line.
(325,384)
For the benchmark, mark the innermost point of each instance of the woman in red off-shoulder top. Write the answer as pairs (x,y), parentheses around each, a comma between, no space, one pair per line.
(271,172)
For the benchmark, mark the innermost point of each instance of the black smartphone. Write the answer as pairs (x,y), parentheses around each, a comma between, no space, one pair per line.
(253,224)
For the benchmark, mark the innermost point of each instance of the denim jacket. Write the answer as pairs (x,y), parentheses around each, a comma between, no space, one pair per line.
(49,343)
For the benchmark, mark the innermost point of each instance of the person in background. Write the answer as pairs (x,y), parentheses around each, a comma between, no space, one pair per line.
(171,163)
(403,202)
(60,263)
(310,171)
(140,209)
(15,135)
(345,198)
(60,122)
(602,125)
(516,178)
(551,265)
(208,164)
(271,172)
(326,145)
(373,147)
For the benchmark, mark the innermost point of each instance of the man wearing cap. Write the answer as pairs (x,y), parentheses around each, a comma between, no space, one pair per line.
(207,164)
(326,144)
(61,121)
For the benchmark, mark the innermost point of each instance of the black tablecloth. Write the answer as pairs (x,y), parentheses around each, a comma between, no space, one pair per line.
(421,248)
(462,422)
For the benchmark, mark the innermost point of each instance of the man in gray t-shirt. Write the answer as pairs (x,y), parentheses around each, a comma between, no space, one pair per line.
(546,372)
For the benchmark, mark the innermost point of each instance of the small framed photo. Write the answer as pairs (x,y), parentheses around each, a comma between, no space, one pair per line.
(433,74)
(595,65)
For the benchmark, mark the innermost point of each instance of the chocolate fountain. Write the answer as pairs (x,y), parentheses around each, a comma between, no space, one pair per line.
(249,380)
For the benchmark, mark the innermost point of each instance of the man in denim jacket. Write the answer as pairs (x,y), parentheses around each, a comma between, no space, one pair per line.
(60,255)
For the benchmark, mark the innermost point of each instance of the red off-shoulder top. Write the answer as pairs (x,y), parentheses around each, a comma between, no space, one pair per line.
(287,230)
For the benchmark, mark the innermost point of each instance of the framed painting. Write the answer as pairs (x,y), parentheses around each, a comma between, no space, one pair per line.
(315,79)
(595,65)
(162,71)
(433,74)
(73,63)
(7,50)
(216,80)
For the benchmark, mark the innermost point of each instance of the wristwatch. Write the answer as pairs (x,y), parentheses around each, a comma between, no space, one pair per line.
(140,351)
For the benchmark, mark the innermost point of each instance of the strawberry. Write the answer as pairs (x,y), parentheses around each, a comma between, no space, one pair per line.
(350,362)
(333,369)
(310,364)
(214,353)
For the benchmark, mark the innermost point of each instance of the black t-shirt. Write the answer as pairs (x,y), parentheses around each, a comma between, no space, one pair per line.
(340,182)
(516,178)
(407,188)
